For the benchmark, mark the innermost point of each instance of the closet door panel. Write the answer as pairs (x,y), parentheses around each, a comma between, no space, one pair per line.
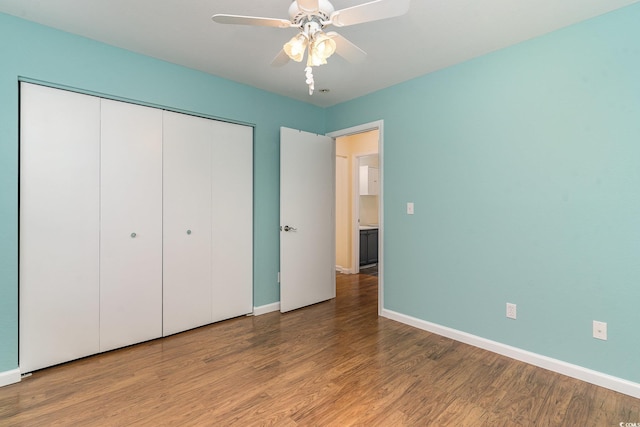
(187,289)
(232,220)
(59,226)
(131,225)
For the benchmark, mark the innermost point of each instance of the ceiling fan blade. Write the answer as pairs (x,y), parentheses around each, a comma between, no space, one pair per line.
(222,18)
(281,59)
(346,49)
(308,6)
(367,12)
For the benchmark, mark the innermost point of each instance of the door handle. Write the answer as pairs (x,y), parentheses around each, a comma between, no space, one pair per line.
(287,228)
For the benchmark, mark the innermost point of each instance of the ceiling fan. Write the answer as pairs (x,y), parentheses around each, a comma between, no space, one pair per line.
(311,17)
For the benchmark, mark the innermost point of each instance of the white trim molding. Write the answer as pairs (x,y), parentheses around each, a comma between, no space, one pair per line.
(343,270)
(9,377)
(584,374)
(264,309)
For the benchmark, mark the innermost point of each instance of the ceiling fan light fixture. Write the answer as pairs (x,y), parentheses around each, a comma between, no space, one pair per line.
(320,48)
(311,17)
(295,47)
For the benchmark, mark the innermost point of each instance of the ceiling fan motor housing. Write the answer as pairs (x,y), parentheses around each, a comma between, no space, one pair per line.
(300,16)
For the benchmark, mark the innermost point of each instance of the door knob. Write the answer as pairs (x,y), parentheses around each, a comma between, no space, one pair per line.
(287,228)
(133,235)
(188,231)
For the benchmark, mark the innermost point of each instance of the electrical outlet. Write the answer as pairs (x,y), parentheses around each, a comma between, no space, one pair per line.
(511,310)
(600,330)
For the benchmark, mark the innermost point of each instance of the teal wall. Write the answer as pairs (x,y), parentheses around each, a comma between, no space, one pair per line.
(32,51)
(524,166)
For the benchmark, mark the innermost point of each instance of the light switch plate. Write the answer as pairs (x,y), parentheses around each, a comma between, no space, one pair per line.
(410,208)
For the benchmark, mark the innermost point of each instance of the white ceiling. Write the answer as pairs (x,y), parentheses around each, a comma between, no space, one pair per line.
(433,35)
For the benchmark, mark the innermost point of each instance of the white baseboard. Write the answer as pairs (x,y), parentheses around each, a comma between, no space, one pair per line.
(588,375)
(264,309)
(9,377)
(343,270)
(368,265)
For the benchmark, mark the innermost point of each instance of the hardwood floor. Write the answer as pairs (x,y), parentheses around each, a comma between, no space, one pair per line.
(334,363)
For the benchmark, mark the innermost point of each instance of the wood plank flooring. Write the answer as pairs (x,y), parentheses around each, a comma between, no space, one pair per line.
(332,364)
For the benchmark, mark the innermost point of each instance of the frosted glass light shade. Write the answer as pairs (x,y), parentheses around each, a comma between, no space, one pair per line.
(321,48)
(295,47)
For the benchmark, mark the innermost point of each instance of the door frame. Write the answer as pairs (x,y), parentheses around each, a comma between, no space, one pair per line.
(366,127)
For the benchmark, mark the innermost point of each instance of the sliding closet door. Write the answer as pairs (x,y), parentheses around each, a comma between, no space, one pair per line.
(187,290)
(59,226)
(232,220)
(131,225)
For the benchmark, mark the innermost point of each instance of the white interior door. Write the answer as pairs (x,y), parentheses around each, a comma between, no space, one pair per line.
(130,225)
(307,219)
(59,226)
(187,145)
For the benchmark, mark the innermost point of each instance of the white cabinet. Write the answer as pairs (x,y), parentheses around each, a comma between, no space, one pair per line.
(369,185)
(187,222)
(130,224)
(134,223)
(59,226)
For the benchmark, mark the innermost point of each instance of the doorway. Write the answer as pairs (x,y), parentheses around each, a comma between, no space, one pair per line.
(358,211)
